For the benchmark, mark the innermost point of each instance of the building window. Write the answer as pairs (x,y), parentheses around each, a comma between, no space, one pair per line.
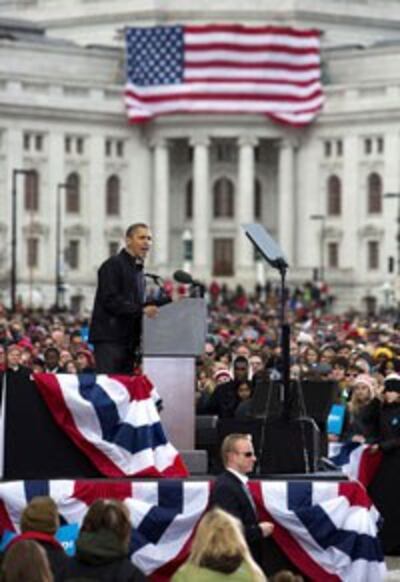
(108,148)
(189,200)
(72,194)
(67,145)
(226,151)
(80,145)
(339,148)
(223,259)
(120,148)
(32,192)
(113,196)
(223,198)
(32,252)
(327,149)
(333,255)
(38,142)
(113,248)
(27,141)
(368,145)
(257,200)
(373,255)
(334,188)
(380,145)
(374,193)
(73,254)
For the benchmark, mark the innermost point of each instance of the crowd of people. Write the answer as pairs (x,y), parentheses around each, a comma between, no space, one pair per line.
(359,354)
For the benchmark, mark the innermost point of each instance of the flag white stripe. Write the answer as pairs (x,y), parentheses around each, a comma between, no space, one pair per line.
(226,105)
(240,57)
(206,38)
(256,74)
(226,88)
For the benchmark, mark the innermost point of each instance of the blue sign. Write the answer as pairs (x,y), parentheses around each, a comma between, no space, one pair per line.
(67,536)
(336,419)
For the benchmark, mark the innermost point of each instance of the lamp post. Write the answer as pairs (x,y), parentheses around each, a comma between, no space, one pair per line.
(397,290)
(321,269)
(13,282)
(396,195)
(187,239)
(59,283)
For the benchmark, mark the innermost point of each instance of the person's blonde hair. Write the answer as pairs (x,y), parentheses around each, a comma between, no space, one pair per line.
(26,560)
(218,538)
(229,444)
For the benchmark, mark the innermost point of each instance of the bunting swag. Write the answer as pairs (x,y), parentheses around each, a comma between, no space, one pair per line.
(114,421)
(356,461)
(327,529)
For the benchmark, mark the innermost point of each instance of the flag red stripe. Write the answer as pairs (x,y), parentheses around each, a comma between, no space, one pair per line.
(222,97)
(245,48)
(262,65)
(242,29)
(235,80)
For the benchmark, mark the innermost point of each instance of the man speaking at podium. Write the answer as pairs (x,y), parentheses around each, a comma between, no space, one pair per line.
(119,305)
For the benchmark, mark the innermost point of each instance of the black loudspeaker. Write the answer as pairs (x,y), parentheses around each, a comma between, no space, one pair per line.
(289,446)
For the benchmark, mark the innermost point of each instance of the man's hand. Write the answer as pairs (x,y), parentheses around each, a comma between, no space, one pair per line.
(267,528)
(151,311)
(373,449)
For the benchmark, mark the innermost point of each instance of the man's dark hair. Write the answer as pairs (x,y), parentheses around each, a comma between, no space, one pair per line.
(134,227)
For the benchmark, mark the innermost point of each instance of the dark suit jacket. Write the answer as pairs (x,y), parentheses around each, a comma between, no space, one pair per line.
(118,306)
(229,494)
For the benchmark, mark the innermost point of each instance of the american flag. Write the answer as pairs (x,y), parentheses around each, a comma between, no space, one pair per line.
(327,529)
(223,69)
(113,420)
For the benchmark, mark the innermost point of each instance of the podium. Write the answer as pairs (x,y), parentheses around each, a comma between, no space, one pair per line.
(171,342)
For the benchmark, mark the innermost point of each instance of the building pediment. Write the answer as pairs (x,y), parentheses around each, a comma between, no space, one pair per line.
(77,230)
(333,232)
(35,228)
(114,232)
(370,231)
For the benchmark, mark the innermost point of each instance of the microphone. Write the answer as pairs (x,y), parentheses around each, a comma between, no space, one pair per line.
(183,277)
(156,278)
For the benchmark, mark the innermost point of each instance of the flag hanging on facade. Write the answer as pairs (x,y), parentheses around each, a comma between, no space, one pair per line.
(327,529)
(114,421)
(223,69)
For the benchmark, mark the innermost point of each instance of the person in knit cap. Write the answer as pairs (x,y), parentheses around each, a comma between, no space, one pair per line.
(39,522)
(363,390)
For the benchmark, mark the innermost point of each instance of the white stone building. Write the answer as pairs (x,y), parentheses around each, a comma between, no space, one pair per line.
(199,179)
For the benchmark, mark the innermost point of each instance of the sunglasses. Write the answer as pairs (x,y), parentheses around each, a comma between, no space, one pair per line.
(246,454)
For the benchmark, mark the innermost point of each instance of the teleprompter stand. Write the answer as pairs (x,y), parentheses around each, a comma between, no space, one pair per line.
(284,442)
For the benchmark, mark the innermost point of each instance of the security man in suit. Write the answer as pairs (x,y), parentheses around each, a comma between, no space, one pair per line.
(230,490)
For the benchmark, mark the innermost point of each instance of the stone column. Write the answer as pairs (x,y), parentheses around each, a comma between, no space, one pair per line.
(244,210)
(160,204)
(287,206)
(201,206)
